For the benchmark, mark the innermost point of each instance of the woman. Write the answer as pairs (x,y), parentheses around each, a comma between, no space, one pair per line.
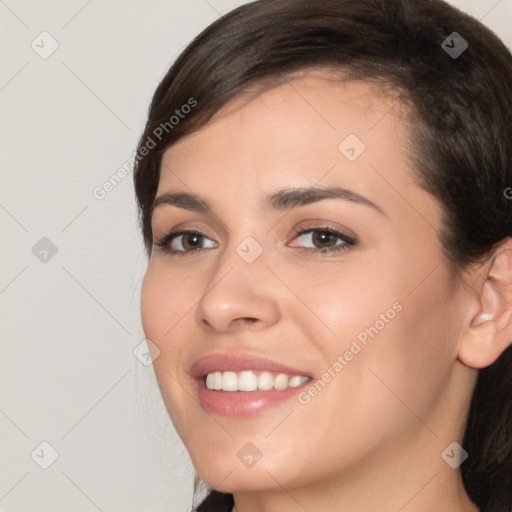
(324,194)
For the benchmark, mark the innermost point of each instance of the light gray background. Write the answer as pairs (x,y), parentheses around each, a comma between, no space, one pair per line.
(69,325)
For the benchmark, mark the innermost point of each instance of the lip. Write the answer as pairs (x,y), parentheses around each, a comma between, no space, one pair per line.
(241,404)
(237,363)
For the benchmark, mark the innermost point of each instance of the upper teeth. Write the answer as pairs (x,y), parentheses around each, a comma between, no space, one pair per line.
(249,381)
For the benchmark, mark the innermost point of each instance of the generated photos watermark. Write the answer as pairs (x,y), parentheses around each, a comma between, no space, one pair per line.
(356,346)
(158,134)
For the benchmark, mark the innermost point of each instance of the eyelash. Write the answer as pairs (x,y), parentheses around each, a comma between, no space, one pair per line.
(163,243)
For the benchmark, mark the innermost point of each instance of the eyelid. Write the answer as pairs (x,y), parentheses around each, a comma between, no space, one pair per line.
(163,242)
(349,240)
(320,224)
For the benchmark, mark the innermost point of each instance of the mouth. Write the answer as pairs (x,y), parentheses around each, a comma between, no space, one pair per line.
(243,386)
(252,380)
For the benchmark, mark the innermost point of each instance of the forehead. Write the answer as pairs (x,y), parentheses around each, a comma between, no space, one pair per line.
(297,130)
(325,103)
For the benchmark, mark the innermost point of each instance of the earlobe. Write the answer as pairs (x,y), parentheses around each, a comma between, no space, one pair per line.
(478,348)
(489,330)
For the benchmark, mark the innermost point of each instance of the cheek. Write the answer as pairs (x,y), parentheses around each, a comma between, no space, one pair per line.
(389,331)
(163,311)
(152,306)
(342,300)
(164,306)
(410,359)
(165,300)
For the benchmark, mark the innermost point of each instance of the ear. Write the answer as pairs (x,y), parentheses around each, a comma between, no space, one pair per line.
(488,329)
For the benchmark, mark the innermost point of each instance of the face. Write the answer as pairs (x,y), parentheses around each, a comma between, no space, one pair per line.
(347,288)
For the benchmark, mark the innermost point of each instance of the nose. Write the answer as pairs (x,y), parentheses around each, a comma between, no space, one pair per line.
(238,295)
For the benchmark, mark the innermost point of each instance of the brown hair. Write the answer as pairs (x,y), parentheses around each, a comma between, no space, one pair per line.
(461,140)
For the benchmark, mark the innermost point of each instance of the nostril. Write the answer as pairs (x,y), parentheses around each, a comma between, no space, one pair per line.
(248,320)
(235,322)
(206,324)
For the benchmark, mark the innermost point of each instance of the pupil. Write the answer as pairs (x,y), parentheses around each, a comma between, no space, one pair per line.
(192,236)
(324,236)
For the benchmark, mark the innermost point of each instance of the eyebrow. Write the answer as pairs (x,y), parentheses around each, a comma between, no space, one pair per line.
(281,200)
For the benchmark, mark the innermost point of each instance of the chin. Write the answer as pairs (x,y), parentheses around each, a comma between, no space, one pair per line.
(225,475)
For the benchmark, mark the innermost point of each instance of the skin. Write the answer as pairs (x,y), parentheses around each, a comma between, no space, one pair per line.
(372,438)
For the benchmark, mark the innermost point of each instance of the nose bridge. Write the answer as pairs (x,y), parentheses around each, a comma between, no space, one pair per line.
(244,255)
(236,288)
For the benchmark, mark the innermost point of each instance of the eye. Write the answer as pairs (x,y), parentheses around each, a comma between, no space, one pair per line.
(328,239)
(181,242)
(189,242)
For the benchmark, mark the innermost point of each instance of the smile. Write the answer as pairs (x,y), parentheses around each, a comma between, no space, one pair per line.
(249,380)
(243,385)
